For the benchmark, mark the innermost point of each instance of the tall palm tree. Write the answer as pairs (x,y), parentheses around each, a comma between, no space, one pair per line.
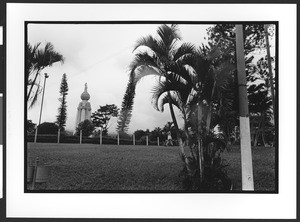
(159,55)
(36,60)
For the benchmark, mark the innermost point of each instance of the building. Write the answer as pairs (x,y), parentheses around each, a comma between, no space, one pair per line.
(84,108)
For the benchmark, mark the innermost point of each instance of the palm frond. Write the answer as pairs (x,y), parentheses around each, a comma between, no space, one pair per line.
(168,35)
(151,43)
(183,51)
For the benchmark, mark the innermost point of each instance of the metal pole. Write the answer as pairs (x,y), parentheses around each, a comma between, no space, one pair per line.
(35,135)
(118,138)
(245,136)
(133,137)
(34,173)
(80,139)
(270,66)
(41,110)
(58,135)
(101,137)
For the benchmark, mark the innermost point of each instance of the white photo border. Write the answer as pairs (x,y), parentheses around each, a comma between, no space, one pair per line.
(92,205)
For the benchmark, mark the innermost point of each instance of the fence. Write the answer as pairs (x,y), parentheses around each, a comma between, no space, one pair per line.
(115,139)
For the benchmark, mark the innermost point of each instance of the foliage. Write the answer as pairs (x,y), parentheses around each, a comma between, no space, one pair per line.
(222,38)
(139,133)
(30,126)
(123,135)
(37,59)
(215,177)
(157,132)
(62,110)
(47,128)
(127,105)
(161,52)
(102,116)
(86,126)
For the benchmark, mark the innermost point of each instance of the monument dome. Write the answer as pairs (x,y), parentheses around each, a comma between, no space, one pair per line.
(84,108)
(85,95)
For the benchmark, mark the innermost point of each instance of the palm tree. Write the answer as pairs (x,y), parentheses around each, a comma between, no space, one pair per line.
(159,56)
(200,90)
(36,60)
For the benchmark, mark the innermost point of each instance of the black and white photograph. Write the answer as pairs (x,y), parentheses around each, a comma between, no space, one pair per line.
(181,111)
(151,107)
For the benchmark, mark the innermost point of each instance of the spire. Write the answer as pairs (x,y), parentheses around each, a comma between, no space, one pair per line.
(85,95)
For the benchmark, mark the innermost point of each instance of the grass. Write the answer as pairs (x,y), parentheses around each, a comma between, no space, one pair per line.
(263,167)
(134,168)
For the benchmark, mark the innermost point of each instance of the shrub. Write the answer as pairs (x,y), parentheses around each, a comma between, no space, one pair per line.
(215,177)
(87,128)
(47,128)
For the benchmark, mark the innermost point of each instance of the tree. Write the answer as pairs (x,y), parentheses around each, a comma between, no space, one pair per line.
(161,57)
(62,110)
(222,37)
(86,126)
(102,116)
(30,126)
(48,128)
(157,132)
(200,93)
(36,60)
(139,134)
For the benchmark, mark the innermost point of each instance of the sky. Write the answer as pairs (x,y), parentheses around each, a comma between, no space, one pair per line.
(99,55)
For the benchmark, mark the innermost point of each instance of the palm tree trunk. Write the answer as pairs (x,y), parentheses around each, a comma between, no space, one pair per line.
(263,128)
(200,147)
(173,114)
(187,133)
(32,84)
(208,119)
(177,130)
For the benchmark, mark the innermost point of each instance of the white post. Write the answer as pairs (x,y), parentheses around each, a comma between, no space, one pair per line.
(101,137)
(58,135)
(157,141)
(34,173)
(118,138)
(146,140)
(245,136)
(133,138)
(35,135)
(80,137)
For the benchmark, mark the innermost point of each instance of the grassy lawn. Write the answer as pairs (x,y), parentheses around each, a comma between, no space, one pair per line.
(126,167)
(263,167)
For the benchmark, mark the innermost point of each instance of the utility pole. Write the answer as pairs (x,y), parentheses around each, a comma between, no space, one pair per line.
(270,66)
(245,136)
(36,130)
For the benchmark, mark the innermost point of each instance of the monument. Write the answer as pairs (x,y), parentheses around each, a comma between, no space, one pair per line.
(84,108)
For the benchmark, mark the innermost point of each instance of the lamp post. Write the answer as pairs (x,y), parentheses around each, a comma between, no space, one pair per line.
(36,131)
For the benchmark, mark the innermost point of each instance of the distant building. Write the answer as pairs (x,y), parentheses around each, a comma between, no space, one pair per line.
(84,108)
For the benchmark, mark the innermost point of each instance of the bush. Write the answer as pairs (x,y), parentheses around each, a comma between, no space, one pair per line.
(47,128)
(215,178)
(87,128)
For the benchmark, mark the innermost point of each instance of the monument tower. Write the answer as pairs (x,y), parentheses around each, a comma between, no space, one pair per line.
(84,108)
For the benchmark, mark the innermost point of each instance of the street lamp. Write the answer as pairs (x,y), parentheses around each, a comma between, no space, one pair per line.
(36,131)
